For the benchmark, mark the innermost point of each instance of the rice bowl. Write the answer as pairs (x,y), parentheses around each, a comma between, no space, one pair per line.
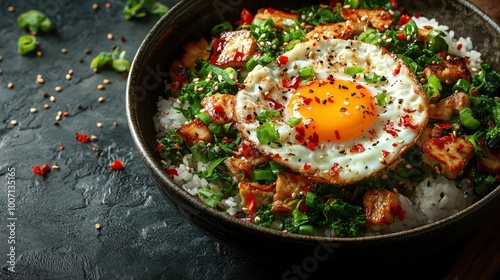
(193,182)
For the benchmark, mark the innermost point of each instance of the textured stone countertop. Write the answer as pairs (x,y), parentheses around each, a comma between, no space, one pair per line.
(52,219)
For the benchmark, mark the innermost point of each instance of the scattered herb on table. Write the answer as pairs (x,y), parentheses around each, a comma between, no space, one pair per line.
(140,8)
(26,44)
(34,21)
(111,60)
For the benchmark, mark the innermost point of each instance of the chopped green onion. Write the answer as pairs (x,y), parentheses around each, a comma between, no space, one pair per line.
(26,44)
(306,72)
(433,88)
(263,175)
(34,21)
(461,85)
(467,118)
(382,99)
(269,114)
(353,70)
(211,197)
(224,26)
(267,133)
(214,165)
(293,121)
(411,30)
(299,218)
(436,42)
(373,78)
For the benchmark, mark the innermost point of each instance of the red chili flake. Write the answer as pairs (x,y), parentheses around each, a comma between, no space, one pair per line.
(159,146)
(441,141)
(335,168)
(317,99)
(282,59)
(314,44)
(394,144)
(245,17)
(301,133)
(459,47)
(337,134)
(276,104)
(245,149)
(240,86)
(216,53)
(443,125)
(249,117)
(248,173)
(401,36)
(41,170)
(277,156)
(307,166)
(293,83)
(397,69)
(84,138)
(358,148)
(389,128)
(385,153)
(172,172)
(404,19)
(251,203)
(313,141)
(397,210)
(306,100)
(407,122)
(116,165)
(417,15)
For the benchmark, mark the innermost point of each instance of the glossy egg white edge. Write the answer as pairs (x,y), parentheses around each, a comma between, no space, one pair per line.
(401,87)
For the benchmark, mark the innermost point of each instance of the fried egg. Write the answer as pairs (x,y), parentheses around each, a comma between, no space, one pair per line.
(331,120)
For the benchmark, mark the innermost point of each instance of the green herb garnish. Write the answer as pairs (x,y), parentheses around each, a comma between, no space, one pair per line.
(26,44)
(34,21)
(140,8)
(111,60)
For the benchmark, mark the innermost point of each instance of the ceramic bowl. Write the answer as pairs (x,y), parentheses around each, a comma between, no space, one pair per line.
(190,19)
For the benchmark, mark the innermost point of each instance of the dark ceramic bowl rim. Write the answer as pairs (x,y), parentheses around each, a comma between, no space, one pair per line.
(146,153)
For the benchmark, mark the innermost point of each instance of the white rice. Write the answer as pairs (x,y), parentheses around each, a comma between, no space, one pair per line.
(433,201)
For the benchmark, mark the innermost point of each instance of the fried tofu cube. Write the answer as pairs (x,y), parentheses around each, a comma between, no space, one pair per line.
(193,51)
(289,187)
(451,153)
(195,132)
(234,48)
(244,159)
(445,108)
(381,206)
(219,107)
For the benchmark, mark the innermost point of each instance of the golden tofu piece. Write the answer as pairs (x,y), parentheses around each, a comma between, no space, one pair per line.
(381,206)
(234,48)
(281,19)
(451,154)
(219,107)
(289,187)
(195,132)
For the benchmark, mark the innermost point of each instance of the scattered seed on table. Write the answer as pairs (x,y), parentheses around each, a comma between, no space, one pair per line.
(11,9)
(56,123)
(61,147)
(107,5)
(88,51)
(1,71)
(106,81)
(52,99)
(65,114)
(95,6)
(64,50)
(68,77)
(98,226)
(121,40)
(13,122)
(96,70)
(100,87)
(115,124)
(45,94)
(58,117)
(93,138)
(46,106)
(39,53)
(40,79)
(33,110)
(1,58)
(70,72)
(100,99)
(55,166)
(99,125)
(10,85)
(58,89)
(110,36)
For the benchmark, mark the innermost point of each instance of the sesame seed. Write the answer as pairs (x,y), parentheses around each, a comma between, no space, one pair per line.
(11,9)
(55,166)
(1,58)
(99,125)
(70,72)
(98,226)
(46,106)
(106,81)
(100,87)
(39,79)
(110,36)
(68,77)
(64,50)
(13,122)
(61,147)
(95,6)
(39,53)
(88,51)
(93,138)
(10,85)
(107,5)
(100,99)
(65,114)
(115,124)
(33,110)
(58,118)
(52,99)
(58,89)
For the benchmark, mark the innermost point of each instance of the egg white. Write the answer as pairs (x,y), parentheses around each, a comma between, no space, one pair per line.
(333,162)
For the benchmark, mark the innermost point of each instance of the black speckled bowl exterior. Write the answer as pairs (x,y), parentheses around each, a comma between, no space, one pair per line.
(190,19)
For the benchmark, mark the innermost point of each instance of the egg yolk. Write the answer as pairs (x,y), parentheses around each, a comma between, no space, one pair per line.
(332,110)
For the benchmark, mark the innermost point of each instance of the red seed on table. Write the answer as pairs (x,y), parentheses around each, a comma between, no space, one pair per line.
(116,165)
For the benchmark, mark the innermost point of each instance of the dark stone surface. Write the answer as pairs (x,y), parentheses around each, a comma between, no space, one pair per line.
(55,216)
